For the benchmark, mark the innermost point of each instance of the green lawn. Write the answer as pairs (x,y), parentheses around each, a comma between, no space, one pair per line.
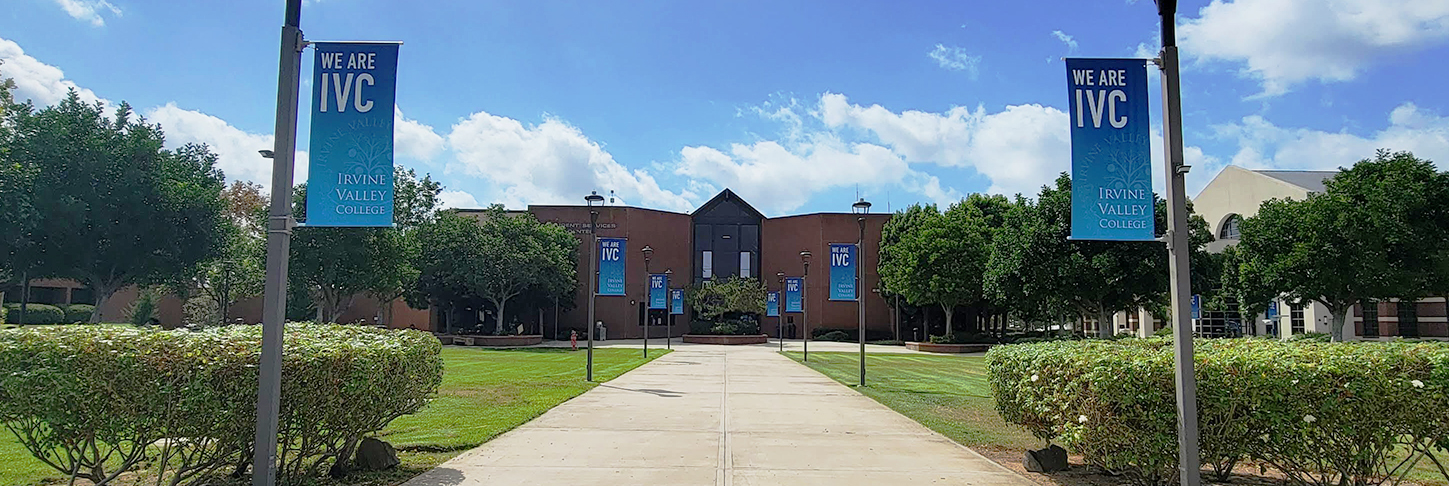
(948,394)
(484,393)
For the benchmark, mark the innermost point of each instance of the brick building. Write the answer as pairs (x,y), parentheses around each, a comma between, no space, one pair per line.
(723,237)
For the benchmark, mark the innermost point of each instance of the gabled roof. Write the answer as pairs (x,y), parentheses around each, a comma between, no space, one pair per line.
(1310,180)
(727,195)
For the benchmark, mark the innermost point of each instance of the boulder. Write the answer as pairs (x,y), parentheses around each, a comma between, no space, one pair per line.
(376,455)
(1051,459)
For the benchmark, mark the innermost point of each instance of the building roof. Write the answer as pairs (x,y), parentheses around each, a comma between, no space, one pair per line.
(1311,180)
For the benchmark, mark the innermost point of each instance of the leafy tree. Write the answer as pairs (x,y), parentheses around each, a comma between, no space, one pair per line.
(113,207)
(939,258)
(443,264)
(1375,232)
(239,273)
(1034,258)
(517,253)
(728,298)
(17,213)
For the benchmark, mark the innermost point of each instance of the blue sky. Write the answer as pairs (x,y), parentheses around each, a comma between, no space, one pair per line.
(796,105)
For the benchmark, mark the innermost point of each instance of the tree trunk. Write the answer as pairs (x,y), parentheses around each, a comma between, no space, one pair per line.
(103,295)
(947,309)
(498,330)
(1105,328)
(1339,314)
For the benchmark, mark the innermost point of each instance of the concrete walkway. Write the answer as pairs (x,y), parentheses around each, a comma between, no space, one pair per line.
(719,415)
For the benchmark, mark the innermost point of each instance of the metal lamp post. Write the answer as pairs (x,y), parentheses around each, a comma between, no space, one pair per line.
(1178,248)
(780,311)
(648,252)
(805,302)
(594,200)
(861,208)
(279,241)
(669,313)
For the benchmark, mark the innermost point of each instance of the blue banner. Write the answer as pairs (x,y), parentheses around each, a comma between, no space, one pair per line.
(772,304)
(1197,306)
(794,294)
(842,271)
(349,182)
(658,291)
(611,266)
(1111,154)
(1272,310)
(676,301)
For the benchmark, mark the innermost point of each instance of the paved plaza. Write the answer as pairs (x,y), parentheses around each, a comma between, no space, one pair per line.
(720,415)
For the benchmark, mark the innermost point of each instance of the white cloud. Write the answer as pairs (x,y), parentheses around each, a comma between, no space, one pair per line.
(550,163)
(1265,145)
(458,199)
(955,59)
(89,10)
(1066,39)
(236,149)
(37,81)
(778,178)
(1018,149)
(1286,42)
(413,139)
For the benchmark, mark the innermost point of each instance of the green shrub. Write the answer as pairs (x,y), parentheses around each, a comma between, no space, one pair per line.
(727,298)
(78,313)
(1314,411)
(965,338)
(1318,337)
(741,325)
(1166,331)
(35,314)
(145,308)
(115,390)
(851,334)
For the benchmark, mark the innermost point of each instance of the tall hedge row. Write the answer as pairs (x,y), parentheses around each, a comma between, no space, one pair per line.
(35,314)
(1320,413)
(185,402)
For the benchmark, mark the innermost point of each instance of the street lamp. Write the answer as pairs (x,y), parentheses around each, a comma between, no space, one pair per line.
(648,252)
(594,200)
(861,208)
(779,311)
(669,313)
(804,302)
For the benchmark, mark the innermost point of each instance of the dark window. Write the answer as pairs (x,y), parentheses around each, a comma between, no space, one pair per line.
(48,295)
(1230,228)
(82,296)
(1133,321)
(1295,318)
(1408,319)
(1370,311)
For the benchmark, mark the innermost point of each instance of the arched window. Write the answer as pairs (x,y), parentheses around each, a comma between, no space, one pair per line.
(1230,228)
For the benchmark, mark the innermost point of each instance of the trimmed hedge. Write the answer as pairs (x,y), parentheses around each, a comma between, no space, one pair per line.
(75,393)
(851,334)
(78,313)
(35,314)
(1316,412)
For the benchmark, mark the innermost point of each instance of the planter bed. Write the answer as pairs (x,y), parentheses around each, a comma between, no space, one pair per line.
(500,341)
(726,339)
(949,348)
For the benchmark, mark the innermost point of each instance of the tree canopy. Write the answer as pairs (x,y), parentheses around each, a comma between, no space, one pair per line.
(336,265)
(1377,231)
(498,258)
(111,206)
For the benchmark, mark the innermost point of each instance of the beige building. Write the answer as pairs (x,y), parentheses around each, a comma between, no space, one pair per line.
(1236,193)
